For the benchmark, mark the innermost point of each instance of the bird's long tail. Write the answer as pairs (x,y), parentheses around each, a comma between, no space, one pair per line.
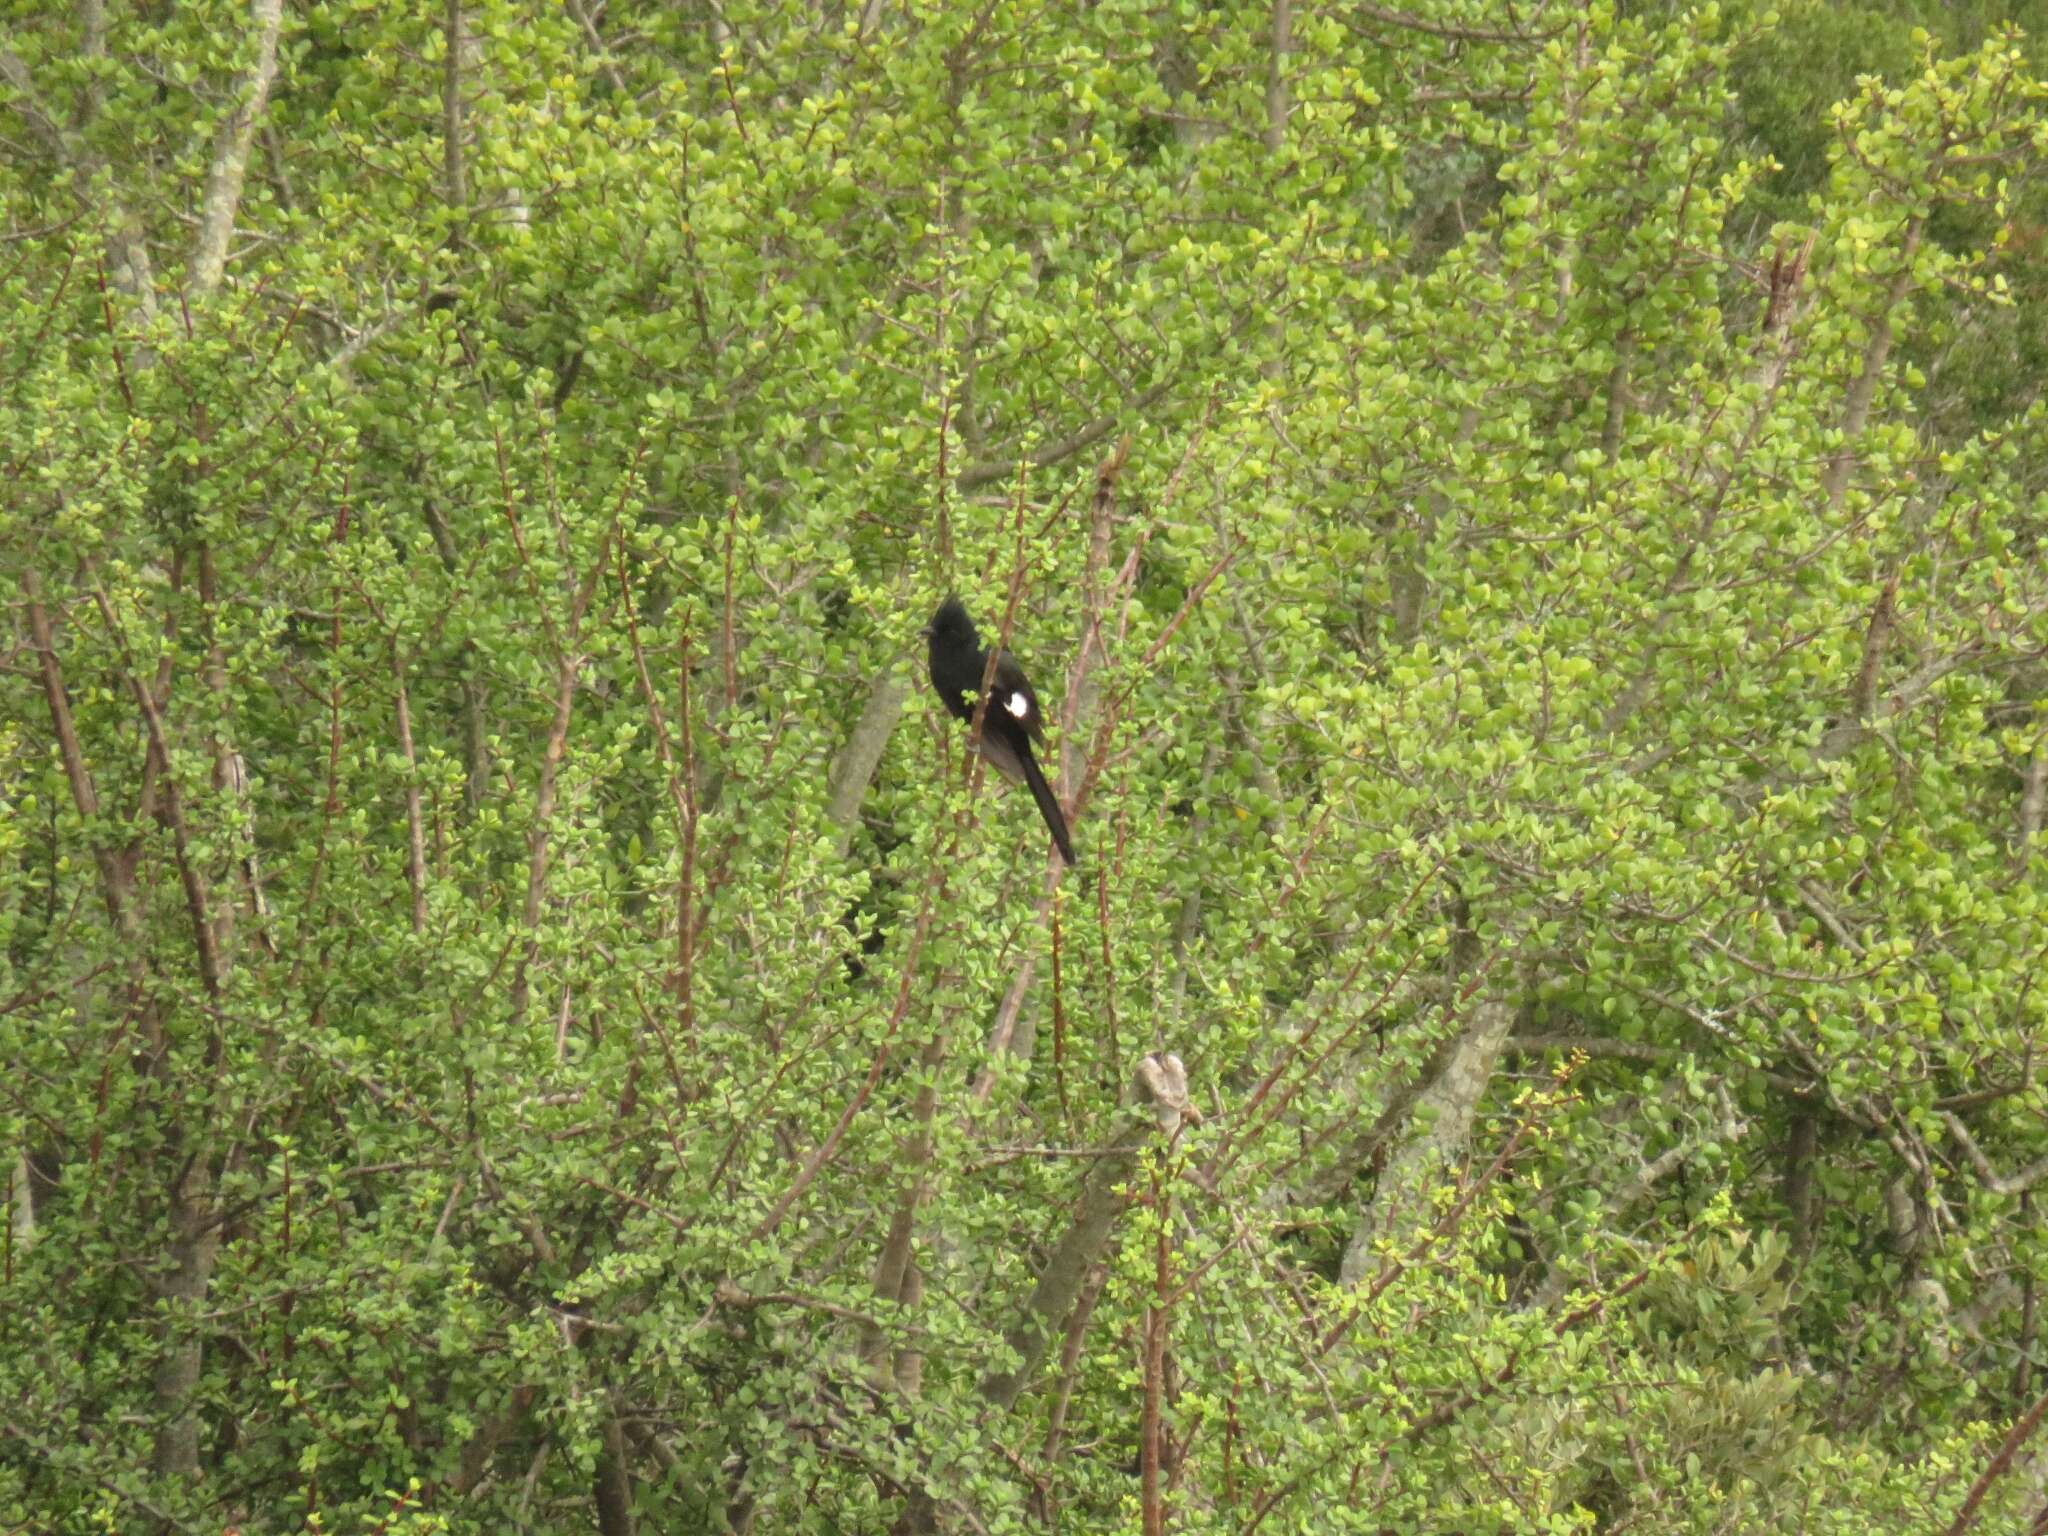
(1048,804)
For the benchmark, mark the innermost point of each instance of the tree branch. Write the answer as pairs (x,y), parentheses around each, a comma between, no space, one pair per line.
(1997,1467)
(454,184)
(1856,406)
(1411,23)
(2005,1184)
(854,769)
(230,165)
(2033,798)
(1159,1090)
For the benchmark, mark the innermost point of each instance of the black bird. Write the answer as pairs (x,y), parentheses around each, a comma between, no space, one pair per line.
(1012,721)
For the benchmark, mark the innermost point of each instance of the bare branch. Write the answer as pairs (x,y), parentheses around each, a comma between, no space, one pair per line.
(854,769)
(1997,1467)
(1408,22)
(454,185)
(415,833)
(1277,104)
(30,106)
(2033,797)
(230,165)
(1453,1096)
(1856,405)
(83,795)
(1911,689)
(133,273)
(1159,1092)
(602,53)
(1999,1184)
(1811,898)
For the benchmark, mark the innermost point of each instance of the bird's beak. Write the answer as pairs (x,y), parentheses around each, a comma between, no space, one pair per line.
(925,633)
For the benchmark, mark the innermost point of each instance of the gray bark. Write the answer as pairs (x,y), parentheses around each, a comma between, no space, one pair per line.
(1447,1108)
(854,769)
(194,1244)
(1160,1089)
(230,162)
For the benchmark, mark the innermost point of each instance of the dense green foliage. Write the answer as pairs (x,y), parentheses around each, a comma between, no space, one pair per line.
(519,1013)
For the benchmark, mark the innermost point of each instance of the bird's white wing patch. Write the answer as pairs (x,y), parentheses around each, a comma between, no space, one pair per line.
(1017,704)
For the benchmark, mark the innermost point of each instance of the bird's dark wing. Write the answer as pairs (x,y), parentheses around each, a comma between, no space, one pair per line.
(1010,694)
(1001,751)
